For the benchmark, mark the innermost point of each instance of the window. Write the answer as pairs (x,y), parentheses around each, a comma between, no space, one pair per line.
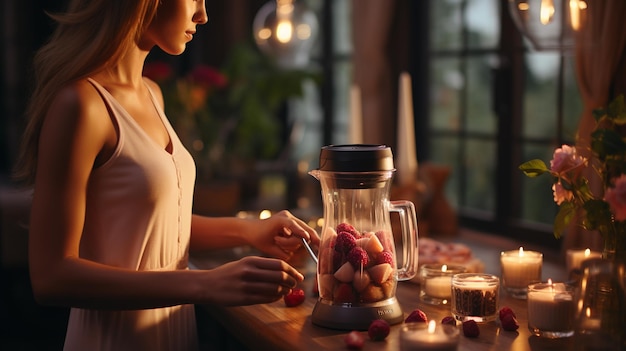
(493,104)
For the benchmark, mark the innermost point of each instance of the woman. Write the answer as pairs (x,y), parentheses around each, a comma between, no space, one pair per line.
(111,222)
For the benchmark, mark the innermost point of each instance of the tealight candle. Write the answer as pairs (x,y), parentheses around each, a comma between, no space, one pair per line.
(436,282)
(575,258)
(428,337)
(520,268)
(551,309)
(475,296)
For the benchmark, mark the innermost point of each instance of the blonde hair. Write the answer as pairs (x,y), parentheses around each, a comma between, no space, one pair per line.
(90,36)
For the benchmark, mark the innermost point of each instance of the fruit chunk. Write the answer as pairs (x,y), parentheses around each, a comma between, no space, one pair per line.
(378,330)
(346,227)
(384,257)
(345,273)
(470,329)
(361,280)
(416,315)
(294,298)
(450,320)
(372,293)
(509,322)
(344,294)
(506,310)
(380,272)
(358,257)
(373,246)
(345,242)
(326,260)
(326,285)
(354,340)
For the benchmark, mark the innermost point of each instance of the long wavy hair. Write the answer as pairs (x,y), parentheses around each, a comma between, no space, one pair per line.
(90,36)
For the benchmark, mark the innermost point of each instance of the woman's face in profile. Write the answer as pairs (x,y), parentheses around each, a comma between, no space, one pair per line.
(174,25)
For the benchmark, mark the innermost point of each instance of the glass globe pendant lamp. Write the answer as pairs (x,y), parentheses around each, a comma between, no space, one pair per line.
(286,30)
(549,24)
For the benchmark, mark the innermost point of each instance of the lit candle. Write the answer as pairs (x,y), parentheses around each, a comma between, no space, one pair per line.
(355,128)
(430,337)
(436,282)
(551,309)
(520,268)
(406,159)
(575,258)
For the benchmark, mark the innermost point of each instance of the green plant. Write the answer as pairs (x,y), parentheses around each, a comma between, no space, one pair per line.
(604,212)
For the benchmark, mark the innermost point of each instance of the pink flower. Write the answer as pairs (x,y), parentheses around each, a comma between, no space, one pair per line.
(616,197)
(567,163)
(157,71)
(561,194)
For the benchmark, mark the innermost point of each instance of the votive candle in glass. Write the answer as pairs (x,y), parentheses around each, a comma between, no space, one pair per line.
(519,269)
(436,282)
(575,258)
(551,309)
(475,296)
(429,337)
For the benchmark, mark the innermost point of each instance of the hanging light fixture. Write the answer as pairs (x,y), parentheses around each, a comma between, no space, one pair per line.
(549,24)
(285,30)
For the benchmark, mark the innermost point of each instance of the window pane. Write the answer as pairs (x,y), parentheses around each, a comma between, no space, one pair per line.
(444,150)
(572,102)
(447,81)
(483,23)
(480,116)
(540,97)
(446,24)
(480,163)
(342,81)
(342,34)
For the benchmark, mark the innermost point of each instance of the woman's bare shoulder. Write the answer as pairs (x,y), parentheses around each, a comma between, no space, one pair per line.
(75,100)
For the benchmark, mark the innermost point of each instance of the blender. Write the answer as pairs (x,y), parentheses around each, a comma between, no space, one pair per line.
(357,266)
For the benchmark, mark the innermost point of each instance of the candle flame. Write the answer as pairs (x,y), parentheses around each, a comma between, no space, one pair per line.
(546,11)
(521,251)
(588,312)
(431,326)
(444,268)
(587,253)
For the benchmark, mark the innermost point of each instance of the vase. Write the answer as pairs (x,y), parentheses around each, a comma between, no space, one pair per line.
(615,242)
(601,307)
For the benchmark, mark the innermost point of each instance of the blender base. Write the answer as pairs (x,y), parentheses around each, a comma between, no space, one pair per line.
(347,317)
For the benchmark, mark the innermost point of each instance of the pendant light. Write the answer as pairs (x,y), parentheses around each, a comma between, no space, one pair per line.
(549,24)
(286,30)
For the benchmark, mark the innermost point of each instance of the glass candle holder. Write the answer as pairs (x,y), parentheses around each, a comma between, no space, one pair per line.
(436,282)
(551,309)
(428,337)
(575,258)
(475,296)
(519,269)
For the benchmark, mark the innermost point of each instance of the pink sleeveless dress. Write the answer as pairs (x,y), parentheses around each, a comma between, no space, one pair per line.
(138,216)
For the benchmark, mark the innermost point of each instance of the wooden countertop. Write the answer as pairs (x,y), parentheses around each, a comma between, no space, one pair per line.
(277,327)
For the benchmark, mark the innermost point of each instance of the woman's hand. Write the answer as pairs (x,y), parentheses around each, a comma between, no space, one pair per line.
(281,235)
(251,280)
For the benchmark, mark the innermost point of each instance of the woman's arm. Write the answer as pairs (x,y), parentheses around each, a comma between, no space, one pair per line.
(78,134)
(279,235)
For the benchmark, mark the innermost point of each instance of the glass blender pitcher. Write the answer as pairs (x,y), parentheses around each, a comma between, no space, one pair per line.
(357,269)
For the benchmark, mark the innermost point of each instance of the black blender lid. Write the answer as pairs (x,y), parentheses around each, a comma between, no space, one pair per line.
(356,158)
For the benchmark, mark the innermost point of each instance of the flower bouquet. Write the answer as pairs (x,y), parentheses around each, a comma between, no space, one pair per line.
(604,212)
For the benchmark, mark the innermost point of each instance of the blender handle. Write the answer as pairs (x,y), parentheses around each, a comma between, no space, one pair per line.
(408,223)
